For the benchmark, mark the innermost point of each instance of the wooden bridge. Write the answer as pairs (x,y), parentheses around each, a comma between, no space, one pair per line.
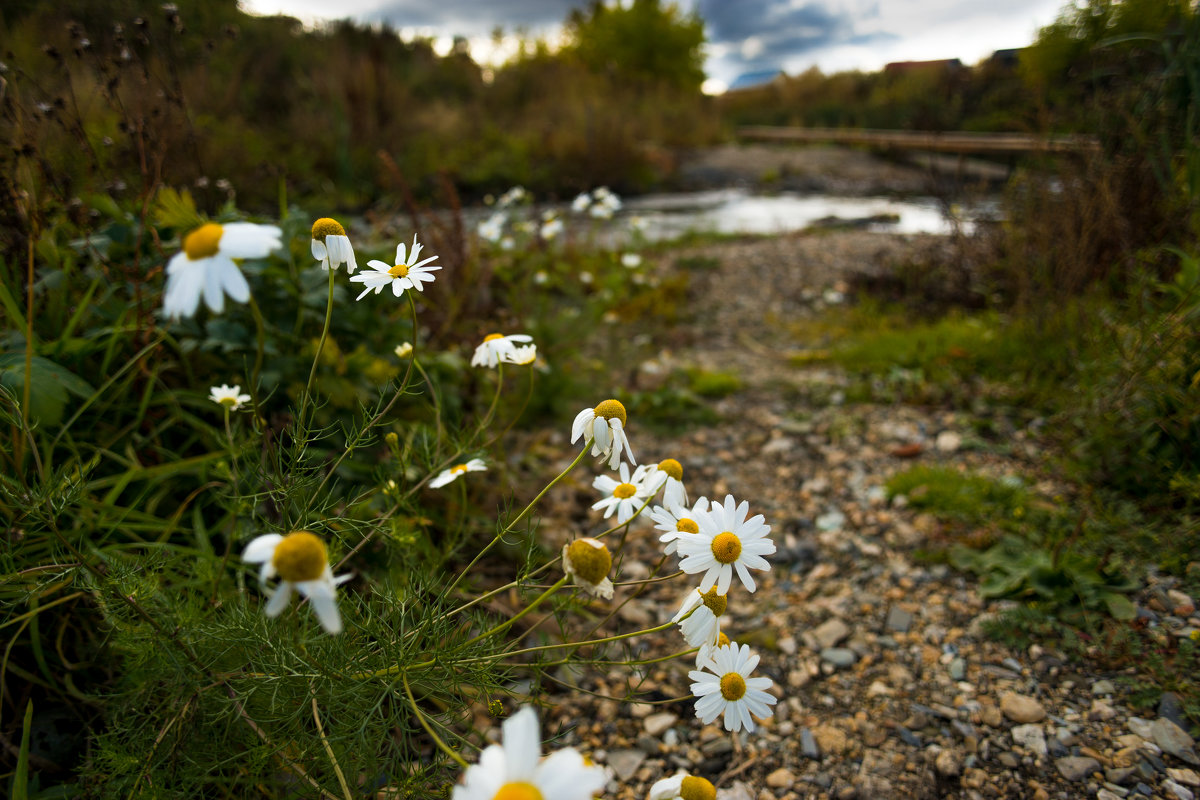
(945,142)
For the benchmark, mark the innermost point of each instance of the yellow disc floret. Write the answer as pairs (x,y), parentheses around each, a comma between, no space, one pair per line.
(726,547)
(399,271)
(722,639)
(327,227)
(590,559)
(672,468)
(733,686)
(624,490)
(518,791)
(686,525)
(491,337)
(610,409)
(203,242)
(717,603)
(459,469)
(301,556)
(693,788)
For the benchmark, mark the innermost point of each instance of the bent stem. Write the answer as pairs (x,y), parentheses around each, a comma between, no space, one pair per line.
(445,748)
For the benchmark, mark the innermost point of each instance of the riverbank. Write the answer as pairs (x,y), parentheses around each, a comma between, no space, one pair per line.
(888,683)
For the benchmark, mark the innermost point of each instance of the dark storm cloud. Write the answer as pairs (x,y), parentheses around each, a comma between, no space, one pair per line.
(474,17)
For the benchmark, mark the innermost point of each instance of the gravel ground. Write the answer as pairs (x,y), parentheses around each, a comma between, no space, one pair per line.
(886,685)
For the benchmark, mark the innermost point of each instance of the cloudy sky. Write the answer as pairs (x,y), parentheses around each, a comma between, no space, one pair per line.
(743,35)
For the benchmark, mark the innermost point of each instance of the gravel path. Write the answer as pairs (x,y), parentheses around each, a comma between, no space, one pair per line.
(887,687)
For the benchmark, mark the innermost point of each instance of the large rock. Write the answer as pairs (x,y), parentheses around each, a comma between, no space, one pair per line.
(1174,740)
(1076,768)
(1022,709)
(830,633)
(1031,737)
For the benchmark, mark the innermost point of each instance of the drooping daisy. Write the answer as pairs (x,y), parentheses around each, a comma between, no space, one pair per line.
(228,396)
(729,690)
(449,475)
(605,425)
(677,522)
(727,541)
(516,771)
(331,246)
(588,561)
(206,267)
(703,625)
(406,273)
(666,473)
(682,786)
(496,349)
(625,496)
(301,561)
(631,260)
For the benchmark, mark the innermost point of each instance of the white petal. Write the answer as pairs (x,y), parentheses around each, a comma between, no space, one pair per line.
(522,744)
(323,599)
(318,250)
(214,297)
(248,240)
(279,600)
(580,424)
(233,281)
(261,548)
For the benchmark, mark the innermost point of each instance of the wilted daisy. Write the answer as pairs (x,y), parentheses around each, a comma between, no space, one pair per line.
(301,561)
(331,246)
(729,690)
(677,522)
(588,562)
(496,349)
(228,396)
(666,475)
(448,475)
(703,625)
(605,425)
(682,786)
(206,267)
(631,260)
(406,273)
(727,541)
(516,770)
(624,497)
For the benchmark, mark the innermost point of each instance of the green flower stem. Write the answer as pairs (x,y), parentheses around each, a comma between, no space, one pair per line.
(577,645)
(312,373)
(260,337)
(509,622)
(508,528)
(517,416)
(638,663)
(487,418)
(462,762)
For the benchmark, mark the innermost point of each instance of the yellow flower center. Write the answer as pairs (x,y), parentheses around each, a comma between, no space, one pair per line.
(693,788)
(717,603)
(686,525)
(327,227)
(624,490)
(726,547)
(202,242)
(722,639)
(300,557)
(612,408)
(733,686)
(518,791)
(399,271)
(672,468)
(589,559)
(459,469)
(491,337)
(228,400)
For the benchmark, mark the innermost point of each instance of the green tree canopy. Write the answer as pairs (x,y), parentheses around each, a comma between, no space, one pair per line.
(644,42)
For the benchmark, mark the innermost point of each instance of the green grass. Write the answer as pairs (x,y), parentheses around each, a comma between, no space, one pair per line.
(964,496)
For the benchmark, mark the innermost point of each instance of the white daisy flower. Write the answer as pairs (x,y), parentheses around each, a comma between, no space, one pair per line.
(727,541)
(508,243)
(581,202)
(228,396)
(407,273)
(301,561)
(513,196)
(403,350)
(541,278)
(516,771)
(497,349)
(449,475)
(588,561)
(729,690)
(492,228)
(703,626)
(605,425)
(631,260)
(206,267)
(677,522)
(525,355)
(705,652)
(331,246)
(551,228)
(624,497)
(667,473)
(682,786)
(637,224)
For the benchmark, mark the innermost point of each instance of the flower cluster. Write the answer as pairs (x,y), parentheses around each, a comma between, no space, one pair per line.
(601,203)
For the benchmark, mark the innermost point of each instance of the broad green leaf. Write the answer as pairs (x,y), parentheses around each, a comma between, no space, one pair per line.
(50,383)
(1119,606)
